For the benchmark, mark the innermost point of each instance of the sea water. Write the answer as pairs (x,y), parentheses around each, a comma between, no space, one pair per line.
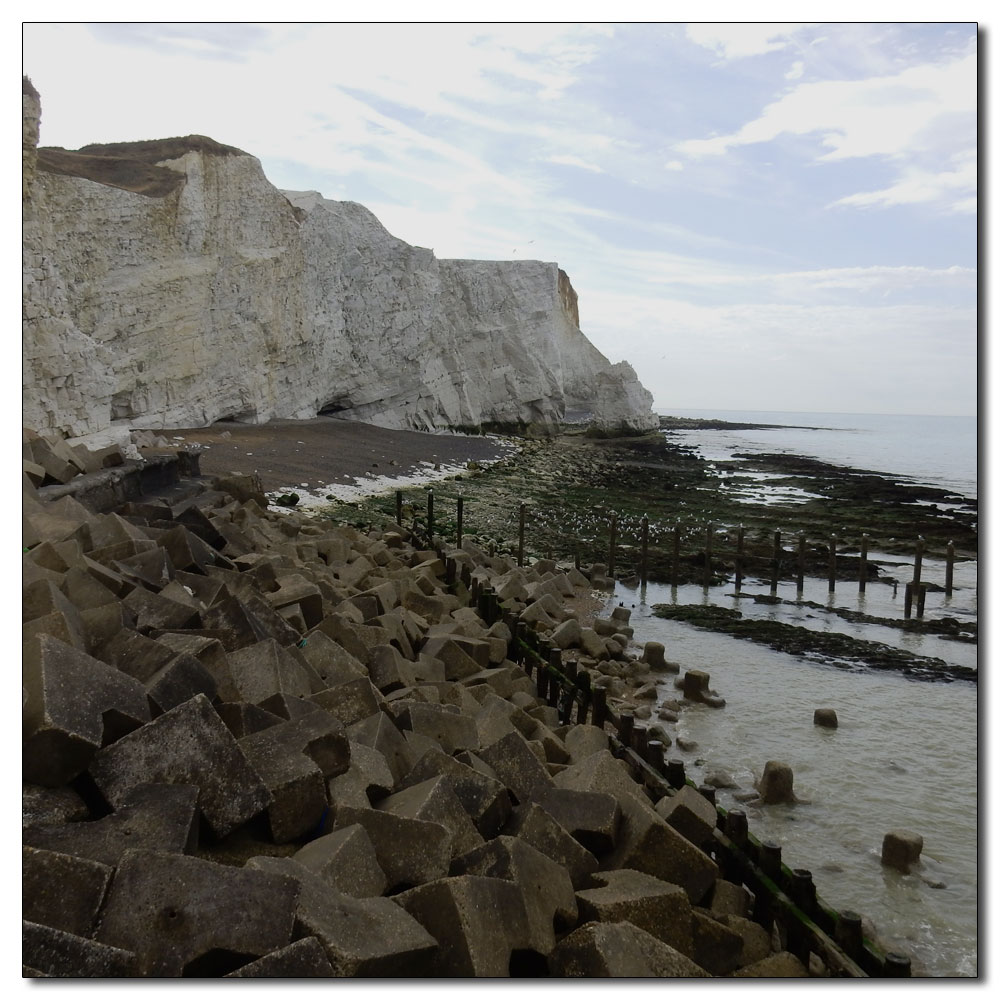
(905,753)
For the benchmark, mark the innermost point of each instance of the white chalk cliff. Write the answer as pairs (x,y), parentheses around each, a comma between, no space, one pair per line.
(169,284)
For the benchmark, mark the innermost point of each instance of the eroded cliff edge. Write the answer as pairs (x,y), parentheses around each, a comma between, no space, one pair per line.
(168,283)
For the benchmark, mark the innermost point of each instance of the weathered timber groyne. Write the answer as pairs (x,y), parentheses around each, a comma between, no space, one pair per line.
(259,745)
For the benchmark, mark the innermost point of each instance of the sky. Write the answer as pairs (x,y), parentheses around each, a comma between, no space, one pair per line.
(771,216)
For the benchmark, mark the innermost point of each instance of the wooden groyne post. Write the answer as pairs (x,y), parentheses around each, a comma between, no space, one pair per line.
(709,532)
(833,563)
(520,535)
(949,570)
(675,561)
(775,562)
(611,546)
(918,562)
(644,550)
(739,559)
(800,576)
(863,565)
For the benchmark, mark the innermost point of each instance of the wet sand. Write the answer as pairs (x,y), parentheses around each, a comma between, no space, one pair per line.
(292,453)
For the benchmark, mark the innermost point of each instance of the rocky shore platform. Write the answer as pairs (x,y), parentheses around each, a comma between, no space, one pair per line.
(258,743)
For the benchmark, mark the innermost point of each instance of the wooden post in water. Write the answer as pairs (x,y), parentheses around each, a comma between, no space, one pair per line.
(770,859)
(709,532)
(430,517)
(654,755)
(775,562)
(626,722)
(600,703)
(675,561)
(949,570)
(399,508)
(833,563)
(739,559)
(644,551)
(863,565)
(918,562)
(800,577)
(520,536)
(675,773)
(611,546)
(921,596)
(459,528)
(908,601)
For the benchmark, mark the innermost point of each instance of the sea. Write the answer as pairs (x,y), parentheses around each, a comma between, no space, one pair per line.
(906,753)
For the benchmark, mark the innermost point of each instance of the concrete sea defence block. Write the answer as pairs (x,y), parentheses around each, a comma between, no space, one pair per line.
(452,730)
(50,952)
(371,937)
(435,801)
(153,817)
(717,948)
(74,704)
(303,959)
(189,745)
(690,814)
(294,759)
(901,850)
(532,824)
(619,950)
(591,818)
(478,922)
(516,765)
(659,907)
(546,889)
(409,851)
(178,914)
(345,860)
(62,891)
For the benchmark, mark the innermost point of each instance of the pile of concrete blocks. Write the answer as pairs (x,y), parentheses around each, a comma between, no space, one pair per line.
(261,745)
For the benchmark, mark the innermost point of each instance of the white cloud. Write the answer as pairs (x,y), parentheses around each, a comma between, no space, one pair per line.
(674,165)
(795,73)
(574,161)
(738,41)
(954,188)
(879,116)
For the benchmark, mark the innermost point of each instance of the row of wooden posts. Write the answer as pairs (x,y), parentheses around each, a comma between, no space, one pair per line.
(784,897)
(915,591)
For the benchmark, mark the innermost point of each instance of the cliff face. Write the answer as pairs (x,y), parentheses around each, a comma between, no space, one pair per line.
(172,285)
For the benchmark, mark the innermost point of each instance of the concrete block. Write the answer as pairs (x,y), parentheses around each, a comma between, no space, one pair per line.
(901,850)
(514,763)
(73,705)
(451,730)
(545,887)
(380,733)
(59,954)
(242,719)
(152,817)
(457,662)
(346,861)
(351,701)
(645,841)
(304,959)
(690,814)
(294,759)
(660,908)
(372,938)
(782,965)
(536,827)
(483,797)
(189,745)
(330,660)
(62,891)
(756,940)
(619,951)
(409,851)
(582,742)
(435,801)
(716,948)
(366,781)
(183,915)
(478,923)
(264,669)
(42,806)
(591,818)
